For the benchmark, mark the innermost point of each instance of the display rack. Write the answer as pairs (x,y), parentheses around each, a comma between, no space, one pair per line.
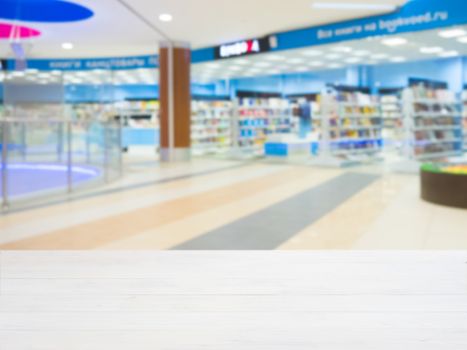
(351,127)
(392,114)
(464,117)
(211,127)
(432,123)
(256,118)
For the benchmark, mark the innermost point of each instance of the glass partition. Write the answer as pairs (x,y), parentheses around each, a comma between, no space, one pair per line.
(43,159)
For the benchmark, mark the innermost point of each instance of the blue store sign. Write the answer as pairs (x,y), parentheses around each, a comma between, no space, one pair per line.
(113,63)
(416,15)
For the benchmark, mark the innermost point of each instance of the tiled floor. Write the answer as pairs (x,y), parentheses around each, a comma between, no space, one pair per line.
(202,204)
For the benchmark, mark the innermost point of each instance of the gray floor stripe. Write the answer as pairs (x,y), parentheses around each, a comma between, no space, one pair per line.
(272,226)
(77,197)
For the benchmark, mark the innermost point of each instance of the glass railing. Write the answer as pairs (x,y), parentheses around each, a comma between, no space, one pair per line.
(46,160)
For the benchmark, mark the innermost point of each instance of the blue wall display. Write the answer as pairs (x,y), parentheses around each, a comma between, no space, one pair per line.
(43,11)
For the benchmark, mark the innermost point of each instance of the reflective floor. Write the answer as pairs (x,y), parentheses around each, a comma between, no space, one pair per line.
(227,205)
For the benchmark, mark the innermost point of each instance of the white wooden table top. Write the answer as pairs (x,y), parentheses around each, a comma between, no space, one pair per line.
(233,300)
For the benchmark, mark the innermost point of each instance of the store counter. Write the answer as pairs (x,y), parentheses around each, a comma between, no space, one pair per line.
(287,145)
(140,137)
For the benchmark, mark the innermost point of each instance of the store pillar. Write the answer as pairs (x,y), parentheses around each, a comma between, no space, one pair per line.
(175,101)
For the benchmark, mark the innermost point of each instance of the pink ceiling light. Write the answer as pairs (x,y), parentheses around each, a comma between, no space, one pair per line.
(10,31)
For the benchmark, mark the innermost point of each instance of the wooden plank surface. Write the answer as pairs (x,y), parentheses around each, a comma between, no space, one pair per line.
(233,300)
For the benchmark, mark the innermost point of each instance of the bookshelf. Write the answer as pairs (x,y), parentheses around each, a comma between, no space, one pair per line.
(432,123)
(351,126)
(256,119)
(211,127)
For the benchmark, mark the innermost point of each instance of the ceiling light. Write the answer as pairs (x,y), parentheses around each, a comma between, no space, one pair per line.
(67,46)
(361,53)
(333,56)
(335,66)
(462,40)
(165,17)
(302,69)
(394,41)
(353,6)
(312,53)
(431,50)
(344,49)
(398,59)
(452,33)
(449,54)
(235,68)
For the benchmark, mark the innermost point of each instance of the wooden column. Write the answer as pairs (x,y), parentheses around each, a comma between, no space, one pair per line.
(175,121)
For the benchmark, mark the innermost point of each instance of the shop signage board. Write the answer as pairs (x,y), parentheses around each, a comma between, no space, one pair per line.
(111,63)
(416,15)
(243,48)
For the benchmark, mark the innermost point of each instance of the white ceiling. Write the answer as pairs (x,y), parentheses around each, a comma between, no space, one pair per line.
(114,31)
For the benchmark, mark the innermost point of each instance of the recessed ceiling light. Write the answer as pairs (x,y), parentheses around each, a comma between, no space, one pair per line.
(361,53)
(431,50)
(235,68)
(312,53)
(452,33)
(344,49)
(353,6)
(333,56)
(394,41)
(67,46)
(301,69)
(462,40)
(449,54)
(335,66)
(398,59)
(379,56)
(165,17)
